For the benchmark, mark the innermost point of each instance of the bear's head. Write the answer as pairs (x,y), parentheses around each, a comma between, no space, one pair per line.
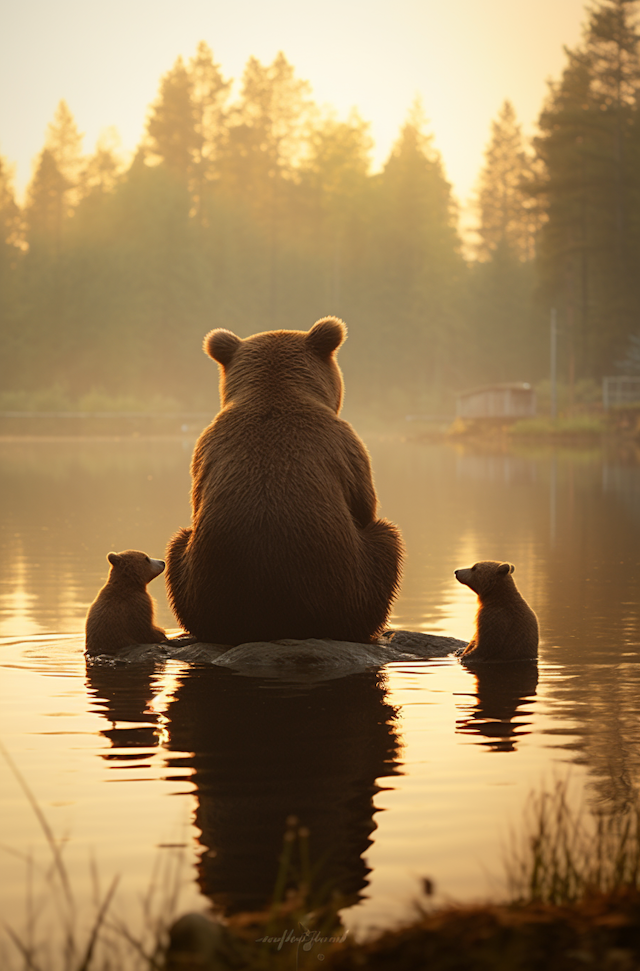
(279,363)
(134,567)
(485,576)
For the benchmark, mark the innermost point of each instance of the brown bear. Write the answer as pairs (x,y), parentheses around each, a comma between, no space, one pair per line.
(122,613)
(506,626)
(284,541)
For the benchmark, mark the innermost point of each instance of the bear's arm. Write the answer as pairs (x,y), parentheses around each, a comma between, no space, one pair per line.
(495,627)
(202,459)
(359,490)
(142,628)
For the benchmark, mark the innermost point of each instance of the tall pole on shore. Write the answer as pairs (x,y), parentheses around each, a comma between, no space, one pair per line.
(553,375)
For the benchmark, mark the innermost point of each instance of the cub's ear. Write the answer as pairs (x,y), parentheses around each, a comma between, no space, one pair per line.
(326,336)
(113,558)
(505,568)
(221,345)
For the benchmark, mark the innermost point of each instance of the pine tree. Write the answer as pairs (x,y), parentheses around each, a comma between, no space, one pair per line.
(267,131)
(501,281)
(507,213)
(209,95)
(158,303)
(416,273)
(275,104)
(103,167)
(335,181)
(64,141)
(57,312)
(590,189)
(11,253)
(46,207)
(56,186)
(43,277)
(265,142)
(10,218)
(172,125)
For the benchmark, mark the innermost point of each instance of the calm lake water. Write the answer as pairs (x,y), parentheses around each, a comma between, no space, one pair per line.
(421,770)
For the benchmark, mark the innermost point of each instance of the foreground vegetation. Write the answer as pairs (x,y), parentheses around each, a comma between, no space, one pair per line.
(573,901)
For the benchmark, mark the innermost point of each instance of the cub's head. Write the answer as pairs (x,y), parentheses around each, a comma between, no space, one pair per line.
(279,363)
(485,575)
(134,566)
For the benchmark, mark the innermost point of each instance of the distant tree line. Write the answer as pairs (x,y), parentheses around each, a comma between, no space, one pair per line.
(262,212)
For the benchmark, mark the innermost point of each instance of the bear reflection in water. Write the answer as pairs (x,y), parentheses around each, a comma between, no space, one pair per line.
(122,695)
(263,751)
(497,713)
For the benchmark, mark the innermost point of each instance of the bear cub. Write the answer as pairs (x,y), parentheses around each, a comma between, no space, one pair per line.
(284,541)
(123,612)
(506,626)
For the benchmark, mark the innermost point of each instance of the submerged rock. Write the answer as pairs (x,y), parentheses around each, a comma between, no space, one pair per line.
(301,660)
(420,645)
(308,660)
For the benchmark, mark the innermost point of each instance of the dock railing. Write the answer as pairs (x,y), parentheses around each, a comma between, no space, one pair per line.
(620,391)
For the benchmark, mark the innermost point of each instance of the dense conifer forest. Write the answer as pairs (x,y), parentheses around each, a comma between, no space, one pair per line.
(257,211)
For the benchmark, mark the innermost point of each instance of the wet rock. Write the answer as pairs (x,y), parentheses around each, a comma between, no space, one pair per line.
(309,660)
(420,645)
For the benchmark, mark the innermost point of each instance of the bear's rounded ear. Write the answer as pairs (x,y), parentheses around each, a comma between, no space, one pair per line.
(113,558)
(505,568)
(326,336)
(221,345)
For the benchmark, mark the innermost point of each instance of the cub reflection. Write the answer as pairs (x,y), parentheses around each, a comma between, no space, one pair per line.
(264,751)
(496,713)
(121,694)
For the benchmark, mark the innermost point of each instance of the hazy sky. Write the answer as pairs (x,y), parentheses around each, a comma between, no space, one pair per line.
(464,57)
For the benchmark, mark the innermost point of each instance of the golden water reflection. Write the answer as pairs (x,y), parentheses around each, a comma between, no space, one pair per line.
(413,773)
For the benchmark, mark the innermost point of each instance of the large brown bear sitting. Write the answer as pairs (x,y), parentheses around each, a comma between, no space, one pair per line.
(284,541)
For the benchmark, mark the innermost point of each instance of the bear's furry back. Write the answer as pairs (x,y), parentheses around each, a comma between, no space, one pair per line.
(284,541)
